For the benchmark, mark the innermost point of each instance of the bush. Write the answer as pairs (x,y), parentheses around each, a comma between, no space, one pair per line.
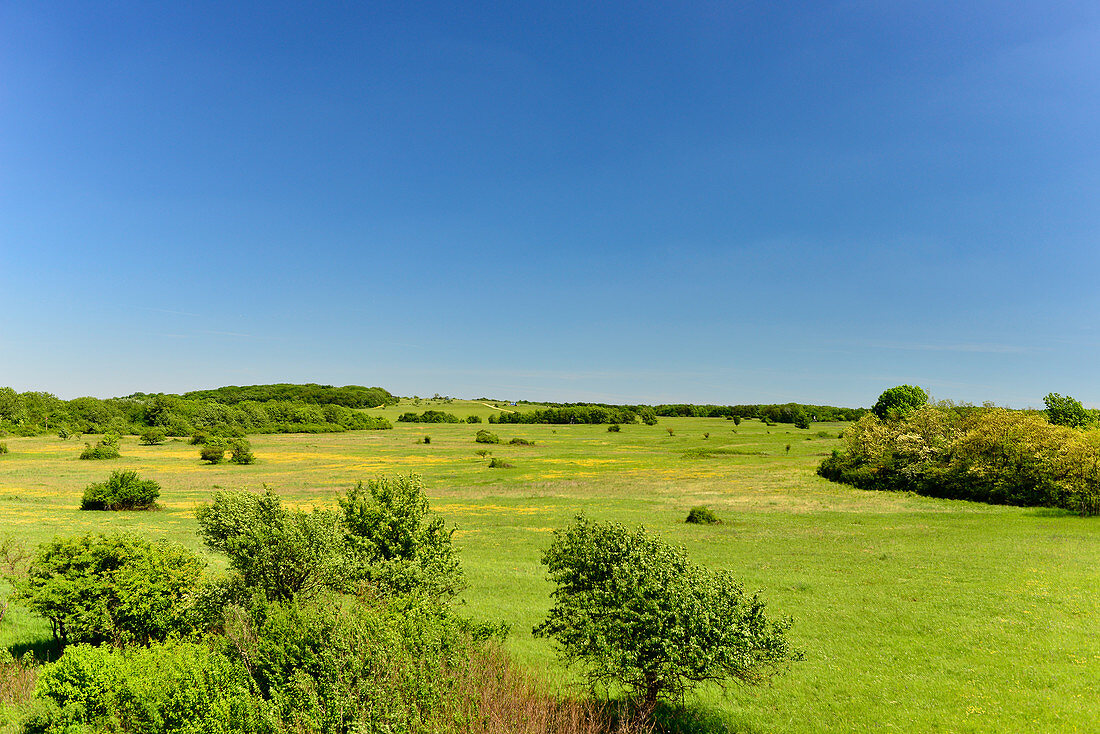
(635,611)
(213,452)
(123,490)
(483,452)
(1067,411)
(473,419)
(175,687)
(484,436)
(153,437)
(801,420)
(702,515)
(521,442)
(426,440)
(499,464)
(118,588)
(3,448)
(278,551)
(614,428)
(736,420)
(199,438)
(240,452)
(102,450)
(393,544)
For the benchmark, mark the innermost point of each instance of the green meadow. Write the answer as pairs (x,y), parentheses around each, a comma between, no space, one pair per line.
(914,614)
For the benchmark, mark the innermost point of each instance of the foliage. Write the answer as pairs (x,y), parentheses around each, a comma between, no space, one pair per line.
(497,463)
(801,420)
(614,428)
(123,490)
(473,419)
(175,687)
(213,451)
(279,551)
(3,448)
(898,402)
(153,437)
(635,611)
(105,448)
(1067,411)
(571,414)
(702,515)
(429,416)
(484,436)
(393,544)
(521,442)
(240,451)
(336,664)
(117,588)
(989,455)
(351,396)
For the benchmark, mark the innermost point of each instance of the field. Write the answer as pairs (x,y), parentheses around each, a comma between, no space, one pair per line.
(914,614)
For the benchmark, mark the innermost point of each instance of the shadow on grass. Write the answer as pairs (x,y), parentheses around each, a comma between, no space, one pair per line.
(673,719)
(44,649)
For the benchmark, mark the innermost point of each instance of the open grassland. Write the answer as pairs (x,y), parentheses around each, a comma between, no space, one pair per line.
(915,614)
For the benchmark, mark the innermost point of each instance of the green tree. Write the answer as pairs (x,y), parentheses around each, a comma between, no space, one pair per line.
(118,588)
(123,490)
(1066,411)
(279,551)
(635,611)
(898,402)
(393,543)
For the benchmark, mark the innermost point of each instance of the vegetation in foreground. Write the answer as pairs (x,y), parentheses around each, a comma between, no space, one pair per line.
(340,621)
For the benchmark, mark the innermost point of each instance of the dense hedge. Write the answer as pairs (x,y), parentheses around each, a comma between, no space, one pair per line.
(988,455)
(785,413)
(429,416)
(572,414)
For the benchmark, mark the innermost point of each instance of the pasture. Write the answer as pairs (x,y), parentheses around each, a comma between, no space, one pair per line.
(914,614)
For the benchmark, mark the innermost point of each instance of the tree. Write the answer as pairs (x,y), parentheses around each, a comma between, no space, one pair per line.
(123,490)
(1066,411)
(279,551)
(393,544)
(117,588)
(898,402)
(153,437)
(636,611)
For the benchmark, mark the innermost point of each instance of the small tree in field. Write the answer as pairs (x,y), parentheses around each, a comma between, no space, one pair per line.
(635,611)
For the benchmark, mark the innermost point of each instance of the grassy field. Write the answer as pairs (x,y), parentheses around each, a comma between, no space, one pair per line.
(915,614)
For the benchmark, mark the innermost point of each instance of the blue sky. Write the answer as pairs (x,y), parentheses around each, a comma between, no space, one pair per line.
(628,202)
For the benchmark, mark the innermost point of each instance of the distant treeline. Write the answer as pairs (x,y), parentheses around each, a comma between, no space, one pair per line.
(350,396)
(603,413)
(581,414)
(429,416)
(32,413)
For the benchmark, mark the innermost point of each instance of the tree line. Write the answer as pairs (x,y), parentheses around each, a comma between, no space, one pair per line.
(33,413)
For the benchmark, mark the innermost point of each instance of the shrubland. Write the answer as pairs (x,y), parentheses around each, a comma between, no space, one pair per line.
(989,455)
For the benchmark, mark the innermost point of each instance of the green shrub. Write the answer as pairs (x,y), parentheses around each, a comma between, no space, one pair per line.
(199,438)
(278,551)
(240,452)
(495,463)
(801,420)
(153,437)
(426,440)
(3,448)
(213,452)
(484,436)
(702,515)
(614,428)
(393,544)
(635,611)
(101,450)
(118,588)
(736,420)
(175,687)
(898,402)
(473,419)
(521,442)
(483,452)
(123,490)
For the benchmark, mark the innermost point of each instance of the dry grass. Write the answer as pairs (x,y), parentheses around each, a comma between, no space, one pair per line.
(16,679)
(506,699)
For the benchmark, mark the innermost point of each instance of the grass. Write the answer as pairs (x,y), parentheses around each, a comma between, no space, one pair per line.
(915,614)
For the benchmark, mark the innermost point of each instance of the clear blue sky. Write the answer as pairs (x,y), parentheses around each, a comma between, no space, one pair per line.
(707,202)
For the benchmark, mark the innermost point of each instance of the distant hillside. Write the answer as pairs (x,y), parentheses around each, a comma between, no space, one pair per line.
(351,396)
